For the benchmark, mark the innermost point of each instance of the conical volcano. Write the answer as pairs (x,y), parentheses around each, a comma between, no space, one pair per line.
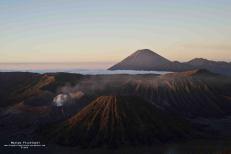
(120,120)
(144,59)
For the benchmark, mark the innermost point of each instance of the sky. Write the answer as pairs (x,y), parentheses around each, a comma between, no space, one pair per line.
(106,31)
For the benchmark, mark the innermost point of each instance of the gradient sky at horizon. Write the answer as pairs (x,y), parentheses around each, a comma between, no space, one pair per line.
(109,30)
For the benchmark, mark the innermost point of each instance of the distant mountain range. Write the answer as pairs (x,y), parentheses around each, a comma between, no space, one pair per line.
(146,59)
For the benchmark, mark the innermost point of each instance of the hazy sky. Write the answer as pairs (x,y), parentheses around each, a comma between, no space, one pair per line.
(109,30)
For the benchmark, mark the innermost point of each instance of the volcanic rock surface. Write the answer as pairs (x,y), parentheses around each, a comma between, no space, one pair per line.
(119,120)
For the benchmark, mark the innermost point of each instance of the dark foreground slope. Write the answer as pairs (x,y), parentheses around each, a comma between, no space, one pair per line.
(18,86)
(119,120)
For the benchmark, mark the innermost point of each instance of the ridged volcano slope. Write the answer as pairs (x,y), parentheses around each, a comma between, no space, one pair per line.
(190,94)
(119,120)
(16,87)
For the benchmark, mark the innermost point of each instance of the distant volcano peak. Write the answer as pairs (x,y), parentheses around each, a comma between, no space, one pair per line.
(143,59)
(147,60)
(199,60)
(145,51)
